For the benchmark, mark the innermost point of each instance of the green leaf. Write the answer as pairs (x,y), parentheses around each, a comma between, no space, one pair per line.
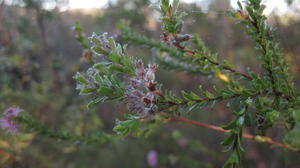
(209,95)
(240,112)
(240,5)
(248,119)
(193,96)
(80,78)
(101,66)
(112,44)
(114,57)
(229,139)
(98,78)
(99,50)
(87,91)
(250,11)
(165,6)
(124,128)
(175,5)
(231,125)
(239,142)
(185,95)
(261,9)
(96,101)
(106,91)
(232,162)
(116,68)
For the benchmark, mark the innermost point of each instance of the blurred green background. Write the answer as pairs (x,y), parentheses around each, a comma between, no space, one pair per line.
(39,56)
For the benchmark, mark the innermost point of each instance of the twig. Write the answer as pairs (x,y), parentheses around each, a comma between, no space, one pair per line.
(191,52)
(256,138)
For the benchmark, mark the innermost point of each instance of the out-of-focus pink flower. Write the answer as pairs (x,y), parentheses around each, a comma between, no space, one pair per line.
(152,158)
(183,142)
(12,111)
(6,121)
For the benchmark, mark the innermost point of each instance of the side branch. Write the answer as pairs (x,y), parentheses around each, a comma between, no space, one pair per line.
(256,138)
(191,52)
(219,98)
(142,40)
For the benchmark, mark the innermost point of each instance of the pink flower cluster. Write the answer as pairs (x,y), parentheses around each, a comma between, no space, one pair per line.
(6,121)
(140,93)
(152,158)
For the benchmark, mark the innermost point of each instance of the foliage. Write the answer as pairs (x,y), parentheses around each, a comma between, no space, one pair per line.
(269,97)
(257,101)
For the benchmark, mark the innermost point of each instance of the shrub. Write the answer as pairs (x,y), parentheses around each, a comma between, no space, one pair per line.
(258,101)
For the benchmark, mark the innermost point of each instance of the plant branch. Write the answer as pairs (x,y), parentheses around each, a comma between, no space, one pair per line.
(142,40)
(256,138)
(262,41)
(191,52)
(206,99)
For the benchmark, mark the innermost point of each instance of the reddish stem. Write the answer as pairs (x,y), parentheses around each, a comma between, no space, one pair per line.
(219,129)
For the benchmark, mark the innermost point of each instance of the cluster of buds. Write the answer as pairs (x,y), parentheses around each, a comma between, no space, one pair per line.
(100,43)
(142,89)
(88,80)
(7,120)
(175,40)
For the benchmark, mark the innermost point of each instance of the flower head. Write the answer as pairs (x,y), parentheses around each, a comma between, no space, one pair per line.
(145,77)
(140,92)
(6,121)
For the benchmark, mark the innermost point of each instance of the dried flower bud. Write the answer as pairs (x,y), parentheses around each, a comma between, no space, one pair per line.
(182,38)
(151,87)
(87,56)
(150,73)
(149,98)
(140,70)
